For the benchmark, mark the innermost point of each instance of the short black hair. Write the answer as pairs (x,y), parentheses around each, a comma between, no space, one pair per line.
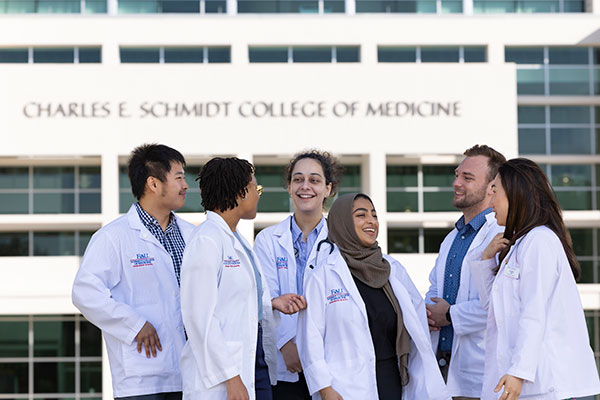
(222,180)
(331,168)
(150,159)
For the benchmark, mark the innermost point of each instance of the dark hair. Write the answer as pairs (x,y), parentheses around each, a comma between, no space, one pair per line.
(150,159)
(495,159)
(531,203)
(331,168)
(222,180)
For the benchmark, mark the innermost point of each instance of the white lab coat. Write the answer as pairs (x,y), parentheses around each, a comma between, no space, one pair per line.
(335,343)
(127,278)
(536,327)
(465,372)
(274,248)
(220,312)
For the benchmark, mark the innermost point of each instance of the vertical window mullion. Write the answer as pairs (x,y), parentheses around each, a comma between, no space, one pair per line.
(290,54)
(546,72)
(30,55)
(461,54)
(205,55)
(420,189)
(333,54)
(418,55)
(547,129)
(30,356)
(421,240)
(161,55)
(76,189)
(30,244)
(591,70)
(77,353)
(202,6)
(595,253)
(76,54)
(321,7)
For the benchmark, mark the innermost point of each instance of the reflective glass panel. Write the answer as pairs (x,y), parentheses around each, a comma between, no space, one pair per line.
(53,244)
(347,54)
(219,54)
(278,6)
(569,81)
(531,115)
(138,6)
(524,55)
(89,203)
(179,6)
(438,201)
(402,175)
(596,83)
(574,6)
(53,203)
(530,81)
(95,6)
(139,55)
(493,6)
(439,54)
(393,6)
(452,6)
(89,177)
(53,338)
(90,55)
(587,272)
(184,54)
(268,54)
(537,6)
(583,241)
(13,55)
(17,6)
(396,54)
(532,141)
(402,202)
(91,340)
(84,239)
(126,199)
(14,177)
(334,6)
(14,377)
(403,240)
(124,182)
(570,141)
(311,54)
(438,175)
(571,175)
(570,115)
(53,177)
(14,203)
(54,55)
(274,201)
(14,244)
(475,54)
(351,179)
(575,200)
(91,377)
(433,239)
(53,377)
(58,6)
(14,339)
(215,6)
(568,55)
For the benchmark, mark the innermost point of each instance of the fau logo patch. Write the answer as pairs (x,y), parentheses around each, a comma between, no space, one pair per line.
(337,295)
(281,262)
(231,262)
(142,260)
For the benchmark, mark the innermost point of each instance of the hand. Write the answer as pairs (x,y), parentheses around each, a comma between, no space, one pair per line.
(512,387)
(148,336)
(289,303)
(432,327)
(236,389)
(497,244)
(289,351)
(437,312)
(329,394)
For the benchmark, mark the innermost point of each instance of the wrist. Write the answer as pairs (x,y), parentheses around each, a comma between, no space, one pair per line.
(448,316)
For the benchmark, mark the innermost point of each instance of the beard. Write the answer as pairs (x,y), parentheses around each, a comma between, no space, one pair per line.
(470,199)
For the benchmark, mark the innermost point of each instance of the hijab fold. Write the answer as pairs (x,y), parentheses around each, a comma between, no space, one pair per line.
(368,266)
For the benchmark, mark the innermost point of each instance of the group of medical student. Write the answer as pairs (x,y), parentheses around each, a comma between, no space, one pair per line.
(315,309)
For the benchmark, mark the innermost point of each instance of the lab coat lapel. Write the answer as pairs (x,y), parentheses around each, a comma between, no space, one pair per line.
(348,281)
(286,246)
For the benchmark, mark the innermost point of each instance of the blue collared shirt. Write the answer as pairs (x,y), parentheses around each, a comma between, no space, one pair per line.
(456,255)
(171,239)
(302,249)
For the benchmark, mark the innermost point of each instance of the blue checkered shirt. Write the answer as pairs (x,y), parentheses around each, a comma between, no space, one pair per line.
(171,238)
(456,255)
(302,249)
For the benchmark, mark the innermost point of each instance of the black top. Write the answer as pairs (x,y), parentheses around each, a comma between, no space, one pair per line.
(383,322)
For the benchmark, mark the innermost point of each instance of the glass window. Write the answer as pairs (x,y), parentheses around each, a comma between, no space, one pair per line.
(89,177)
(219,54)
(215,6)
(14,177)
(14,203)
(396,54)
(54,55)
(91,340)
(583,241)
(179,6)
(402,201)
(278,6)
(568,55)
(268,54)
(475,54)
(15,377)
(95,6)
(90,54)
(532,141)
(570,115)
(138,6)
(530,81)
(275,197)
(54,377)
(53,177)
(91,377)
(351,181)
(84,239)
(334,6)
(54,338)
(524,55)
(452,6)
(571,175)
(58,6)
(570,141)
(347,54)
(395,6)
(531,115)
(184,54)
(53,243)
(14,244)
(402,175)
(438,175)
(139,55)
(438,201)
(17,55)
(575,200)
(439,54)
(569,81)
(13,340)
(403,240)
(303,54)
(433,238)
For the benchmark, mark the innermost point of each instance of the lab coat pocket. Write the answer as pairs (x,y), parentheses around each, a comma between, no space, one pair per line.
(145,288)
(351,378)
(137,364)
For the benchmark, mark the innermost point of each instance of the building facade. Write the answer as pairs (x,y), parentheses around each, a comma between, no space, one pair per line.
(397,89)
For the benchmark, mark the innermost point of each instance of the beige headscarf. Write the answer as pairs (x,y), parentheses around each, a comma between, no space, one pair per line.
(367,265)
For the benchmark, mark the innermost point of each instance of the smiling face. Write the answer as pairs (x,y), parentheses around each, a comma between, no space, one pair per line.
(172,190)
(307,188)
(500,201)
(366,224)
(471,185)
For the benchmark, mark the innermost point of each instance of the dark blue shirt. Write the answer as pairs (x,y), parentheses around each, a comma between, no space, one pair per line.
(456,255)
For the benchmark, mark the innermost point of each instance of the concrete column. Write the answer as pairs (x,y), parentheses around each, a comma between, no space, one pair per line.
(368,53)
(239,53)
(593,6)
(232,7)
(110,53)
(468,7)
(375,186)
(495,53)
(110,187)
(112,7)
(350,7)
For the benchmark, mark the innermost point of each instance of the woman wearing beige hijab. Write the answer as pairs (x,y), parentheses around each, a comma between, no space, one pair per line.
(364,334)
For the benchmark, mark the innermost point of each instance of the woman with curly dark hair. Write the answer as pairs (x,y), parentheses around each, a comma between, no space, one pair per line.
(225,301)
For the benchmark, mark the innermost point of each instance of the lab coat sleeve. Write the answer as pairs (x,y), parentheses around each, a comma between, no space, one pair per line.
(100,272)
(483,277)
(468,317)
(200,271)
(264,250)
(311,335)
(538,275)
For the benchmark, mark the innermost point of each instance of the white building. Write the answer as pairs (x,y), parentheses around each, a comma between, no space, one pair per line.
(398,89)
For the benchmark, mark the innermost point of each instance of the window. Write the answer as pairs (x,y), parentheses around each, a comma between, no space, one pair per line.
(592,319)
(303,54)
(40,243)
(193,201)
(52,55)
(52,6)
(49,190)
(416,240)
(172,6)
(556,70)
(291,6)
(440,54)
(412,188)
(408,6)
(528,6)
(176,54)
(49,357)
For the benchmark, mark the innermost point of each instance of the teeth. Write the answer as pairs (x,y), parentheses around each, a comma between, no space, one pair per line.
(305,196)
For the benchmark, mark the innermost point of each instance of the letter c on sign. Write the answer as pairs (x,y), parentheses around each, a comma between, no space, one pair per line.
(26,110)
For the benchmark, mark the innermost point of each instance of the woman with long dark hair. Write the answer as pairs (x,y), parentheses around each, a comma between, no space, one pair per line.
(537,344)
